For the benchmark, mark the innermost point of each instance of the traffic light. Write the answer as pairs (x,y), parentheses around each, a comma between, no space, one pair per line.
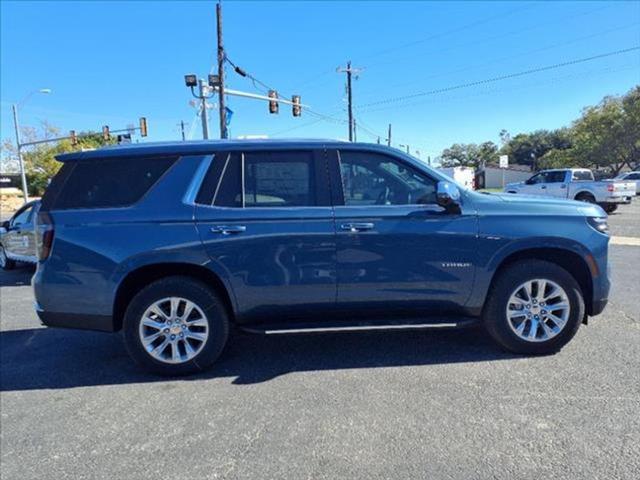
(297,109)
(273,105)
(105,132)
(74,138)
(143,126)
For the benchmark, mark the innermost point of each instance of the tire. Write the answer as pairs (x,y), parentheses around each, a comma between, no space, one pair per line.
(504,331)
(208,321)
(585,197)
(6,263)
(609,207)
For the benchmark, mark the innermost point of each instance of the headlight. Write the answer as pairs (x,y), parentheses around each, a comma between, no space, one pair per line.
(599,223)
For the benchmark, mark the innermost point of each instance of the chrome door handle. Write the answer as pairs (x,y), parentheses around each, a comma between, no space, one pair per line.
(356,227)
(228,229)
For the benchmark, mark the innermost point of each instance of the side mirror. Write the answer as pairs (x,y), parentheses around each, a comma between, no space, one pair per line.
(448,196)
(528,182)
(5,225)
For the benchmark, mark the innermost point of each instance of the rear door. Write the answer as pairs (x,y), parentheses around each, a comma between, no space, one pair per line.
(397,250)
(555,184)
(266,220)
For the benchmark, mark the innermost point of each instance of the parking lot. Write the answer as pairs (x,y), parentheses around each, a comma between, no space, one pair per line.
(378,405)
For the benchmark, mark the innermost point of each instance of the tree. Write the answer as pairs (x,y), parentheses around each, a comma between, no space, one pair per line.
(528,148)
(469,155)
(39,160)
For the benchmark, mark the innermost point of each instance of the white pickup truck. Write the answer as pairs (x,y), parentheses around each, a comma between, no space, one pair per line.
(576,184)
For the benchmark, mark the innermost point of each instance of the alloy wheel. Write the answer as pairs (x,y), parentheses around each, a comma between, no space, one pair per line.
(173,330)
(538,310)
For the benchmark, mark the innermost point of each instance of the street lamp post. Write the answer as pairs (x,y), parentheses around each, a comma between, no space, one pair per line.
(205,92)
(23,173)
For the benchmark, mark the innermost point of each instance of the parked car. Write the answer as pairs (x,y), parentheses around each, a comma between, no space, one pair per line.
(630,176)
(17,237)
(577,184)
(176,243)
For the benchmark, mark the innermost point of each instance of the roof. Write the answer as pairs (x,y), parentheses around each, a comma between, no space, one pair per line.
(196,147)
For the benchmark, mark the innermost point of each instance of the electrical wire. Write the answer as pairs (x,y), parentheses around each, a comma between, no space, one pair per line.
(500,77)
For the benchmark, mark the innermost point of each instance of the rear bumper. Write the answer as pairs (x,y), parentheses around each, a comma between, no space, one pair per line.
(99,323)
(617,200)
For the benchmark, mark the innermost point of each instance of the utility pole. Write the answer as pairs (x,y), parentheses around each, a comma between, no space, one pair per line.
(23,175)
(350,71)
(182,129)
(221,102)
(355,131)
(389,136)
(203,106)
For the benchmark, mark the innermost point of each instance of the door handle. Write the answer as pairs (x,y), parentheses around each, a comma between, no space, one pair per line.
(356,227)
(543,187)
(564,185)
(228,229)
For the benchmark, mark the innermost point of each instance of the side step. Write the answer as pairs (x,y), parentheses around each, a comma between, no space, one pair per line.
(356,326)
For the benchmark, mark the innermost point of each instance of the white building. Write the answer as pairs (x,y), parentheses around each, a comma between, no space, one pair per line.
(495,177)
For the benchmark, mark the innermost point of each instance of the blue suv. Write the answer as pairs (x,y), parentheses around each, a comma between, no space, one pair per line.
(176,243)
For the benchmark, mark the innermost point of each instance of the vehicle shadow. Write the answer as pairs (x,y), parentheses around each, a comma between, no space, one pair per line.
(19,277)
(42,358)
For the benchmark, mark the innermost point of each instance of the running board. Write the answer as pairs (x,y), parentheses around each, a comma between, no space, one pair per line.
(326,327)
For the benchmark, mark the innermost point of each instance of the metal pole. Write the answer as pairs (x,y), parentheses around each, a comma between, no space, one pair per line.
(350,100)
(23,175)
(182,129)
(389,137)
(355,131)
(221,102)
(204,116)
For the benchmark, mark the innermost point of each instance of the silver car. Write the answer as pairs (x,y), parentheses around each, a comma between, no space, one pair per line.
(635,176)
(18,238)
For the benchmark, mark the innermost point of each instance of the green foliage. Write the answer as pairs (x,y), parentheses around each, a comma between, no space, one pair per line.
(469,155)
(39,160)
(606,136)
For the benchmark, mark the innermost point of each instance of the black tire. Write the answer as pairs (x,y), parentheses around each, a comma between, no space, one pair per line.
(6,263)
(195,291)
(585,197)
(609,207)
(495,317)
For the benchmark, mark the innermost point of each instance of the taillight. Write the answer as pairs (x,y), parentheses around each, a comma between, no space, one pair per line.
(610,187)
(45,233)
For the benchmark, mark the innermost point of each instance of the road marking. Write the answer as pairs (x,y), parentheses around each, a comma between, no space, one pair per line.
(625,241)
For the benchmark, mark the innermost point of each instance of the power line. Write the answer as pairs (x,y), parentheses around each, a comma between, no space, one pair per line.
(501,77)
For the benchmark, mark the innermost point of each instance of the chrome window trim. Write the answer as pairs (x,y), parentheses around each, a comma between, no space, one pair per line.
(224,170)
(196,182)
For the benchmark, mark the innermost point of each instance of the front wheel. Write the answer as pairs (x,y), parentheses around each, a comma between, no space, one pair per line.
(535,307)
(176,326)
(609,207)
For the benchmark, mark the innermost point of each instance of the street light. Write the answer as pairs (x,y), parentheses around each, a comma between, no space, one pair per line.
(14,107)
(204,93)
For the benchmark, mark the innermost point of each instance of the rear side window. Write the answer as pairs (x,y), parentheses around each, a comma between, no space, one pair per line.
(279,179)
(110,183)
(582,176)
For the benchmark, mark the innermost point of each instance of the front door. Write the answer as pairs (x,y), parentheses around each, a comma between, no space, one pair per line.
(20,239)
(267,223)
(397,250)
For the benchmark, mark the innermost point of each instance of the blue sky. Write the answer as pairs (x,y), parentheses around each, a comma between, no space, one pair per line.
(112,62)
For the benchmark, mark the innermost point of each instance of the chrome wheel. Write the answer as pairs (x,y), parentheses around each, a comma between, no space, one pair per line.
(173,330)
(538,310)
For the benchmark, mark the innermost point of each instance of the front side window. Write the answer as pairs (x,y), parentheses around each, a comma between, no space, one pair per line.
(23,217)
(376,179)
(555,177)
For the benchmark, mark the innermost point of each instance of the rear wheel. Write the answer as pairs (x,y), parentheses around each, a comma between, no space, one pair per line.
(5,262)
(586,197)
(535,307)
(176,326)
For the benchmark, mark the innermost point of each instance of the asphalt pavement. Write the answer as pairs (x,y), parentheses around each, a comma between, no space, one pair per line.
(376,405)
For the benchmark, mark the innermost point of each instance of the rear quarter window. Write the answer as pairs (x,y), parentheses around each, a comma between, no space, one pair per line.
(104,183)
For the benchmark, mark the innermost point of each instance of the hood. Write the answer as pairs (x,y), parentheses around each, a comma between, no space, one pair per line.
(538,205)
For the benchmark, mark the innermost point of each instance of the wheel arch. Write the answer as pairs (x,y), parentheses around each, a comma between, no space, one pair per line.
(571,261)
(584,192)
(137,279)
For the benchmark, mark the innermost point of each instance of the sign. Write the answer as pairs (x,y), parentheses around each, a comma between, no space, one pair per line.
(10,180)
(504,161)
